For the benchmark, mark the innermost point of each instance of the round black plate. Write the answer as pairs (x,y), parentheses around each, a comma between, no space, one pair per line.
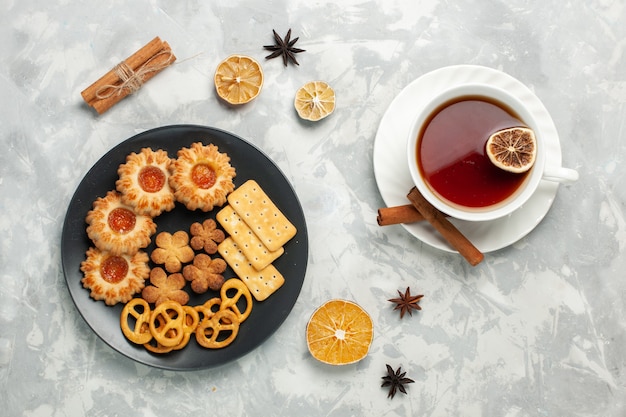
(250,163)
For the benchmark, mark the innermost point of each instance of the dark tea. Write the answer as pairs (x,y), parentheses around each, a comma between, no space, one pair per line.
(452,156)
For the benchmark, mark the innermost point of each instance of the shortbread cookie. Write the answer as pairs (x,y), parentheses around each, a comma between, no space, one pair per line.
(201,177)
(205,273)
(251,246)
(115,227)
(144,182)
(206,236)
(262,283)
(261,214)
(114,278)
(164,288)
(172,250)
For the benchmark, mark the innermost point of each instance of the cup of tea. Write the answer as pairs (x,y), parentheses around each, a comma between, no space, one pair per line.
(448,160)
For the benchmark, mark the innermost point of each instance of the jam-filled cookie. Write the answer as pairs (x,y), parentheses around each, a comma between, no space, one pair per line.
(144,182)
(115,227)
(201,177)
(114,278)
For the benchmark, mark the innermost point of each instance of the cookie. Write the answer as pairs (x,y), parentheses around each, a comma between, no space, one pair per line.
(251,246)
(115,227)
(206,236)
(114,278)
(201,177)
(172,250)
(262,283)
(261,214)
(144,182)
(205,273)
(164,288)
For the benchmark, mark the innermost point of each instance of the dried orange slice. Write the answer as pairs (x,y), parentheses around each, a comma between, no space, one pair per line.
(314,101)
(339,332)
(238,79)
(513,149)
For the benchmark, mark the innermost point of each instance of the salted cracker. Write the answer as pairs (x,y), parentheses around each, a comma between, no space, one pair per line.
(262,283)
(261,214)
(251,246)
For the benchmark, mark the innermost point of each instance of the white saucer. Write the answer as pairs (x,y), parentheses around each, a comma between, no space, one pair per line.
(391,166)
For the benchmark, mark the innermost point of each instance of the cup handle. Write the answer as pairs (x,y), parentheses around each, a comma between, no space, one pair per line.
(560,174)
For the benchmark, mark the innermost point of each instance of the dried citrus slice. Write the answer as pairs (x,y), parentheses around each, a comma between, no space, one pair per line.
(315,100)
(339,332)
(238,79)
(513,149)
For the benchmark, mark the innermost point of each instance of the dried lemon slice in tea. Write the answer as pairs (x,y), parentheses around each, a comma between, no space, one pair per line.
(513,149)
(339,332)
(238,79)
(314,100)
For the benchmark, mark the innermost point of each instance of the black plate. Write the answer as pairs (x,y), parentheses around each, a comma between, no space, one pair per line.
(250,163)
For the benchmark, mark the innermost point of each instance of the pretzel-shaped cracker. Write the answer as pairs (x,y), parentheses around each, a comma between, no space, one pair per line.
(153,345)
(192,318)
(190,322)
(156,347)
(231,302)
(140,333)
(209,308)
(208,331)
(161,322)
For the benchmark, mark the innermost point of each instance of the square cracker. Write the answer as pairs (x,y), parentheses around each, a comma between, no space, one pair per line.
(261,214)
(251,246)
(261,284)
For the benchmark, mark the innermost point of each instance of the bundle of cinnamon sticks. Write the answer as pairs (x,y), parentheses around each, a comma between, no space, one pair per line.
(129,75)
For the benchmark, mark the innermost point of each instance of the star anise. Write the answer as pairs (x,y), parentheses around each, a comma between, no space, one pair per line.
(407,302)
(396,381)
(284,47)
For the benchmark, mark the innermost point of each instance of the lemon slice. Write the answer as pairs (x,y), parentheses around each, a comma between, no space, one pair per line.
(513,149)
(339,332)
(315,100)
(238,79)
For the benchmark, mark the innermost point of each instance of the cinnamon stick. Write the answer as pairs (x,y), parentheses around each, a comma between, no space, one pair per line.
(120,81)
(398,214)
(439,221)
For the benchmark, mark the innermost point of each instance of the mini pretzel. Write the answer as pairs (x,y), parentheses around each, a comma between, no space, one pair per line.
(208,331)
(183,342)
(189,326)
(140,333)
(156,347)
(209,308)
(174,322)
(231,302)
(192,318)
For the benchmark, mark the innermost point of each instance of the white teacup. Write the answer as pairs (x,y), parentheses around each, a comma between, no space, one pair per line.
(542,169)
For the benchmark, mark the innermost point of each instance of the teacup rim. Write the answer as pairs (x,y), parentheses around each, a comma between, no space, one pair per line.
(489,92)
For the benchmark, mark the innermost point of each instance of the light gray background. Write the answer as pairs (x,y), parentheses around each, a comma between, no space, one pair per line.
(537,329)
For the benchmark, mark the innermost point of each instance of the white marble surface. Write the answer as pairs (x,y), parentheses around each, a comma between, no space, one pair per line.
(537,329)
